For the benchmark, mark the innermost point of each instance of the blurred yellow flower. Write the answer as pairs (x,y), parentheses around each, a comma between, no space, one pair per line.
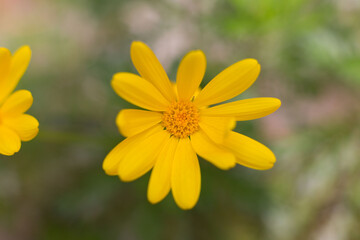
(15,125)
(178,124)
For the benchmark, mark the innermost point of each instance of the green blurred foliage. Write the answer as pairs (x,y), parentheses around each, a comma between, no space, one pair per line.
(55,188)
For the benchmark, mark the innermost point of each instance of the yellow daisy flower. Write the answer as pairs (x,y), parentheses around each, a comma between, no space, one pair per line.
(15,125)
(180,123)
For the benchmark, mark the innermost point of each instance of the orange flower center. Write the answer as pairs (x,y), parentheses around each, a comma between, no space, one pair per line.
(181,119)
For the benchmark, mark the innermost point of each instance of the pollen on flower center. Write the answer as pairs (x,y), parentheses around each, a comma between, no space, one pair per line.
(181,119)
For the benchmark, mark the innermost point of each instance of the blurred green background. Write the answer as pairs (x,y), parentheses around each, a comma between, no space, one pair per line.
(55,188)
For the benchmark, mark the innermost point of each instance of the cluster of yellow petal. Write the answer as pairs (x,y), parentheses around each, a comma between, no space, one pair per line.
(180,123)
(15,125)
(181,119)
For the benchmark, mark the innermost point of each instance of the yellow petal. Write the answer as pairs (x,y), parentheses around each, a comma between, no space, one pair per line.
(215,154)
(140,159)
(159,183)
(243,110)
(216,127)
(185,177)
(18,66)
(5,60)
(17,103)
(190,74)
(249,152)
(229,83)
(149,67)
(26,126)
(9,141)
(138,91)
(133,121)
(111,163)
(112,160)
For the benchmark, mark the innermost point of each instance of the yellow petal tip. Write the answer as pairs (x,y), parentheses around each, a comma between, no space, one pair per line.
(25,49)
(278,102)
(125,178)
(152,199)
(185,206)
(136,44)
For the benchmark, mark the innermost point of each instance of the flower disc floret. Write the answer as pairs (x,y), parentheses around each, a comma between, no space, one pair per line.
(181,119)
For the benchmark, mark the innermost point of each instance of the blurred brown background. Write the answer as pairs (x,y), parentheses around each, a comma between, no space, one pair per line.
(54,188)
